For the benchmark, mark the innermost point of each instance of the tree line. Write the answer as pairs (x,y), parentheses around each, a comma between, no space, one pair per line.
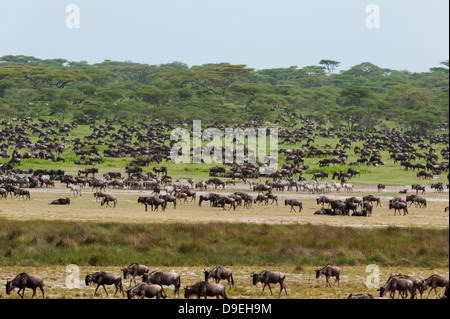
(358,99)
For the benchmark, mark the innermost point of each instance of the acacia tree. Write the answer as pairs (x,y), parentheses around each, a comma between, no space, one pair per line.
(218,79)
(330,65)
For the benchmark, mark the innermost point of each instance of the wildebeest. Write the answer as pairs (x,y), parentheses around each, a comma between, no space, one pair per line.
(293,203)
(159,277)
(134,270)
(433,282)
(329,271)
(219,274)
(205,289)
(323,200)
(101,279)
(402,285)
(211,197)
(107,199)
(221,202)
(162,170)
(23,281)
(22,192)
(362,296)
(61,201)
(268,277)
(145,290)
(398,206)
(380,187)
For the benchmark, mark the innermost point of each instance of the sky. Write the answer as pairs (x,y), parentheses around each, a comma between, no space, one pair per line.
(408,35)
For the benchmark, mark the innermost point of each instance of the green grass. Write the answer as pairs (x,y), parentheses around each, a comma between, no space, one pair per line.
(32,243)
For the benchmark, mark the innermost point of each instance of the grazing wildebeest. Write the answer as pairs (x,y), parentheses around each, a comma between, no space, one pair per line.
(368,208)
(205,289)
(435,281)
(395,283)
(23,281)
(380,187)
(329,271)
(323,200)
(61,201)
(107,199)
(398,206)
(219,274)
(268,277)
(98,195)
(134,270)
(293,203)
(371,198)
(207,197)
(145,290)
(101,279)
(159,277)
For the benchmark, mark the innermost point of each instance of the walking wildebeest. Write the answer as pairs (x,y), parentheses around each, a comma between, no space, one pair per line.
(134,270)
(268,277)
(395,283)
(23,281)
(293,203)
(101,279)
(159,277)
(219,274)
(398,206)
(434,282)
(22,192)
(329,271)
(205,289)
(145,290)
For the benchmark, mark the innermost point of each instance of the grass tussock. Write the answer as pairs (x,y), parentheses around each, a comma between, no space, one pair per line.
(180,244)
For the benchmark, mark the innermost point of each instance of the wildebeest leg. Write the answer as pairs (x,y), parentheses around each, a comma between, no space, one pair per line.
(42,290)
(34,293)
(23,292)
(292,208)
(104,287)
(263,289)
(270,289)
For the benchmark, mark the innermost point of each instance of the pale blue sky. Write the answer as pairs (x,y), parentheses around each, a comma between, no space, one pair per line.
(413,34)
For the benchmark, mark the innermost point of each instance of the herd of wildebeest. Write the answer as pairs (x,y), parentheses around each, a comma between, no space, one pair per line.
(153,283)
(150,145)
